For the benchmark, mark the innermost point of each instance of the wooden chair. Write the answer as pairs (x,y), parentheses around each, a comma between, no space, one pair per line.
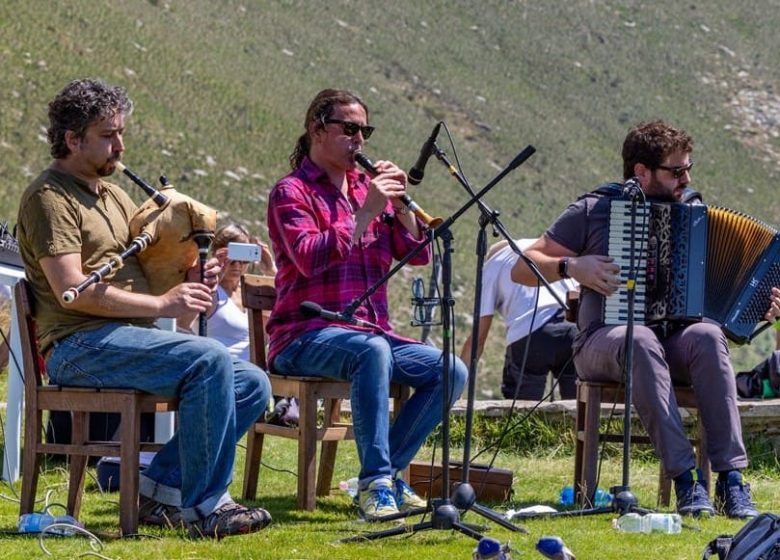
(259,295)
(590,395)
(80,402)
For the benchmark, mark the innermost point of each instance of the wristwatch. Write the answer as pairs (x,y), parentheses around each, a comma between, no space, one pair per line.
(563,267)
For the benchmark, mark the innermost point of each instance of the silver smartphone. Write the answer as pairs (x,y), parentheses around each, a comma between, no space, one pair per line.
(244,252)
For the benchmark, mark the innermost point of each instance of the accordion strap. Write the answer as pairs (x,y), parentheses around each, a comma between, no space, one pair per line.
(689,195)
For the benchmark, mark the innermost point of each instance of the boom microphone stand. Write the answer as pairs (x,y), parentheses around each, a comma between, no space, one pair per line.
(624,500)
(445,515)
(463,496)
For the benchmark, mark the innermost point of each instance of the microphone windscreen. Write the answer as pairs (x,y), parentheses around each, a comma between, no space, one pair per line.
(310,308)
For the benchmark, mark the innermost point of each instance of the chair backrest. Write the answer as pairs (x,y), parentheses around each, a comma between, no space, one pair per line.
(259,295)
(31,360)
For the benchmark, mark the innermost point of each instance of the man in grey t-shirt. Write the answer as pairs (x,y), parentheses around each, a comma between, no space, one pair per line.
(657,155)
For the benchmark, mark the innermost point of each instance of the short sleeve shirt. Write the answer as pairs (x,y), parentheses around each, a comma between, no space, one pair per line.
(516,303)
(583,228)
(59,214)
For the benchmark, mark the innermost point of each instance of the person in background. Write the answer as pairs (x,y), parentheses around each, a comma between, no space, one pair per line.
(550,338)
(71,221)
(763,381)
(334,232)
(227,319)
(5,309)
(658,156)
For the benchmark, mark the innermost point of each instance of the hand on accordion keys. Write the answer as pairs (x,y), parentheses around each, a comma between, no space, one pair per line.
(597,272)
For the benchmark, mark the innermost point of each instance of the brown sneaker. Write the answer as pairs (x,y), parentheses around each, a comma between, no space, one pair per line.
(152,512)
(230,519)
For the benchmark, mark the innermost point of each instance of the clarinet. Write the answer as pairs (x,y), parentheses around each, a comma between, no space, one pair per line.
(427,219)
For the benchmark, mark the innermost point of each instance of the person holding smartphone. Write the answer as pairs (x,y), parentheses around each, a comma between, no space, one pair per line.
(227,319)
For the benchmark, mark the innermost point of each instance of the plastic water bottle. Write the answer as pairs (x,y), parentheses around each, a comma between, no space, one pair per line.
(37,522)
(34,522)
(669,523)
(349,486)
(601,499)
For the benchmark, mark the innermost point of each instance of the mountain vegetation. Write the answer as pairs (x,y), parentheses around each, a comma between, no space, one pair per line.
(221,88)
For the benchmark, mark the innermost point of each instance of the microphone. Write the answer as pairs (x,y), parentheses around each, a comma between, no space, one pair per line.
(311,309)
(417,172)
(631,188)
(431,222)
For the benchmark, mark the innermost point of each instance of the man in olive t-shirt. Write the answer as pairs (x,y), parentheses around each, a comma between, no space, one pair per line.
(71,221)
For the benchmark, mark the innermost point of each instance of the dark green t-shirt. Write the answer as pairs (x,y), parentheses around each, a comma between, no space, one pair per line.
(59,214)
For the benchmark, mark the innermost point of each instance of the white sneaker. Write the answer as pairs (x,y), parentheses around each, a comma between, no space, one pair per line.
(377,500)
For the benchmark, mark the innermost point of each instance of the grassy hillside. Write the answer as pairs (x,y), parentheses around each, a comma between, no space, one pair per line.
(221,89)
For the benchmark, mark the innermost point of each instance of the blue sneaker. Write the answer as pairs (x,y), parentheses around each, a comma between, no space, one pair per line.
(377,500)
(692,495)
(733,497)
(406,498)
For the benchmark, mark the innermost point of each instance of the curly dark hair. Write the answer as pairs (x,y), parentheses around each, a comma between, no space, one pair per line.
(80,104)
(650,143)
(320,109)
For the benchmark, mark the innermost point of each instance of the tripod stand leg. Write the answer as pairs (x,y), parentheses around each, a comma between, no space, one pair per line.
(497,518)
(466,530)
(403,529)
(464,498)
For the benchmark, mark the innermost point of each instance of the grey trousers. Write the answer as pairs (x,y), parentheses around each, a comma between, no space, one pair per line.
(697,355)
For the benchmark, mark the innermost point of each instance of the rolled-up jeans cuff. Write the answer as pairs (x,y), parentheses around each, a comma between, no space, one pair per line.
(205,508)
(159,492)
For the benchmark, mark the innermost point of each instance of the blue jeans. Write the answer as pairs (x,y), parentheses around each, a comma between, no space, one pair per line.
(219,399)
(371,362)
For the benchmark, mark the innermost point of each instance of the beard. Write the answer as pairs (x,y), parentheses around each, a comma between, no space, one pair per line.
(656,189)
(109,167)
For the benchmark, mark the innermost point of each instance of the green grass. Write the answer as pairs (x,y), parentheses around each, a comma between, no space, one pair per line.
(538,478)
(222,87)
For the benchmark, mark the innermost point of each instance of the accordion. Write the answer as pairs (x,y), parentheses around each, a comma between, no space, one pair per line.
(693,262)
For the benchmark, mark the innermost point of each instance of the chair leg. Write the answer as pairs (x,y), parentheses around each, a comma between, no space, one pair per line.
(664,488)
(31,466)
(130,446)
(398,403)
(590,445)
(329,448)
(307,449)
(254,455)
(579,431)
(78,463)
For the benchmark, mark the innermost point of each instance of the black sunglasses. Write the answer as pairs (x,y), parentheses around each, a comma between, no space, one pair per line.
(678,170)
(351,128)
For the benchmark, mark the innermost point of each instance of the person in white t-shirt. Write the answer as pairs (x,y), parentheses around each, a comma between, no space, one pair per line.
(228,322)
(551,336)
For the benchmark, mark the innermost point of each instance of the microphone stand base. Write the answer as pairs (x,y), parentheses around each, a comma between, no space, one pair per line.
(445,517)
(464,498)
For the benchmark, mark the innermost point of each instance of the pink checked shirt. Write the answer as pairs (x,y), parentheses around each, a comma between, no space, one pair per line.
(310,224)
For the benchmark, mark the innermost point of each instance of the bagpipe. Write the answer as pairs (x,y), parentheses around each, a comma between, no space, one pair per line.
(170,230)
